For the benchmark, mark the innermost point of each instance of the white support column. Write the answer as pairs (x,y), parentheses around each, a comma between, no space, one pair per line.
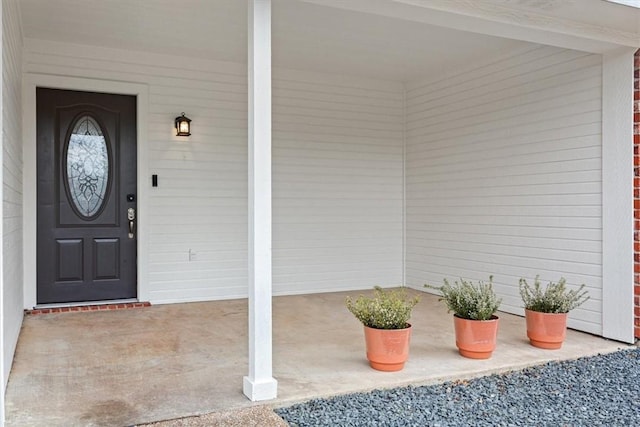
(617,195)
(259,384)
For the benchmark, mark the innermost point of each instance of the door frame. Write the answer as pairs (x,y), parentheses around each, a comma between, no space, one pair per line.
(29,175)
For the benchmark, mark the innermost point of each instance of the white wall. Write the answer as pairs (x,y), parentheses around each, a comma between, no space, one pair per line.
(504,175)
(337,173)
(12,302)
(503,172)
(337,164)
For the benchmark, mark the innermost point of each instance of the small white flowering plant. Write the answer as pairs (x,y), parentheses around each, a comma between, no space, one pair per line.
(469,300)
(386,309)
(555,298)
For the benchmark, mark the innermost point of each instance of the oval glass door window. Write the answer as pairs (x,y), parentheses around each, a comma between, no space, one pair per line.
(87,166)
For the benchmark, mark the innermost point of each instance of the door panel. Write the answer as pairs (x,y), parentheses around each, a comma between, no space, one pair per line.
(69,256)
(106,258)
(86,161)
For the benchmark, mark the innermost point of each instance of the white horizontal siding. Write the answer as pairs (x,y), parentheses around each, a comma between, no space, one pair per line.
(337,173)
(503,172)
(200,203)
(12,294)
(337,165)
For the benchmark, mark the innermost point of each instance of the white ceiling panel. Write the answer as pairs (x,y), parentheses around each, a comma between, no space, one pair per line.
(305,35)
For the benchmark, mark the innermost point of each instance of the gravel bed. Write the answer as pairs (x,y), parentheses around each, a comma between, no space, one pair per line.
(602,390)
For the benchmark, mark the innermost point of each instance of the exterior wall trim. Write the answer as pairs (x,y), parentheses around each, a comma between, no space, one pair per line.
(617,195)
(141,91)
(3,380)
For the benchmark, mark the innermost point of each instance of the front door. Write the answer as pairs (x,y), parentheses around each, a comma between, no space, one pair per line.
(86,161)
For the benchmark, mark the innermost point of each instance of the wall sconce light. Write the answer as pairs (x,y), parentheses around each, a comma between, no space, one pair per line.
(183,125)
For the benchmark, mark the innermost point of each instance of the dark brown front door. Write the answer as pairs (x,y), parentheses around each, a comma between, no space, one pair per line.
(86,161)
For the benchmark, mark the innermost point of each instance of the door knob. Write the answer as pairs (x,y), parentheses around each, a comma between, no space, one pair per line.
(131,216)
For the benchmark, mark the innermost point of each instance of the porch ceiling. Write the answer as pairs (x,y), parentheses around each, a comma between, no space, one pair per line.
(305,35)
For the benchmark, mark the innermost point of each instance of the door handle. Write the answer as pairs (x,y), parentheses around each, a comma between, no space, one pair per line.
(131,216)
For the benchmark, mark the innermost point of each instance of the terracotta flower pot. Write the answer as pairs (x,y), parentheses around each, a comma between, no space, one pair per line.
(387,349)
(546,330)
(476,339)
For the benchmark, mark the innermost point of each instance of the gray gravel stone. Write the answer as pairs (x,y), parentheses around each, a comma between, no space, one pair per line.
(603,390)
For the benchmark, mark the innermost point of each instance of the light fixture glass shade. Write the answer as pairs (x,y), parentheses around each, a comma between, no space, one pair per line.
(183,125)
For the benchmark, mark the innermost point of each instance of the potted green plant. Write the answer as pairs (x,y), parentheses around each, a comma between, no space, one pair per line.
(475,322)
(546,310)
(387,331)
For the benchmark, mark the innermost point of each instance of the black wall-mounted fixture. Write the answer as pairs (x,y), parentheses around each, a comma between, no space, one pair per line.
(183,125)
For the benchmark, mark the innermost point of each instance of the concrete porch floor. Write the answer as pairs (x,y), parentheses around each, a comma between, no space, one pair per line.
(168,361)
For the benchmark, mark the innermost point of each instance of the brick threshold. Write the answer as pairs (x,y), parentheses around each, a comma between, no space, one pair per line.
(90,307)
